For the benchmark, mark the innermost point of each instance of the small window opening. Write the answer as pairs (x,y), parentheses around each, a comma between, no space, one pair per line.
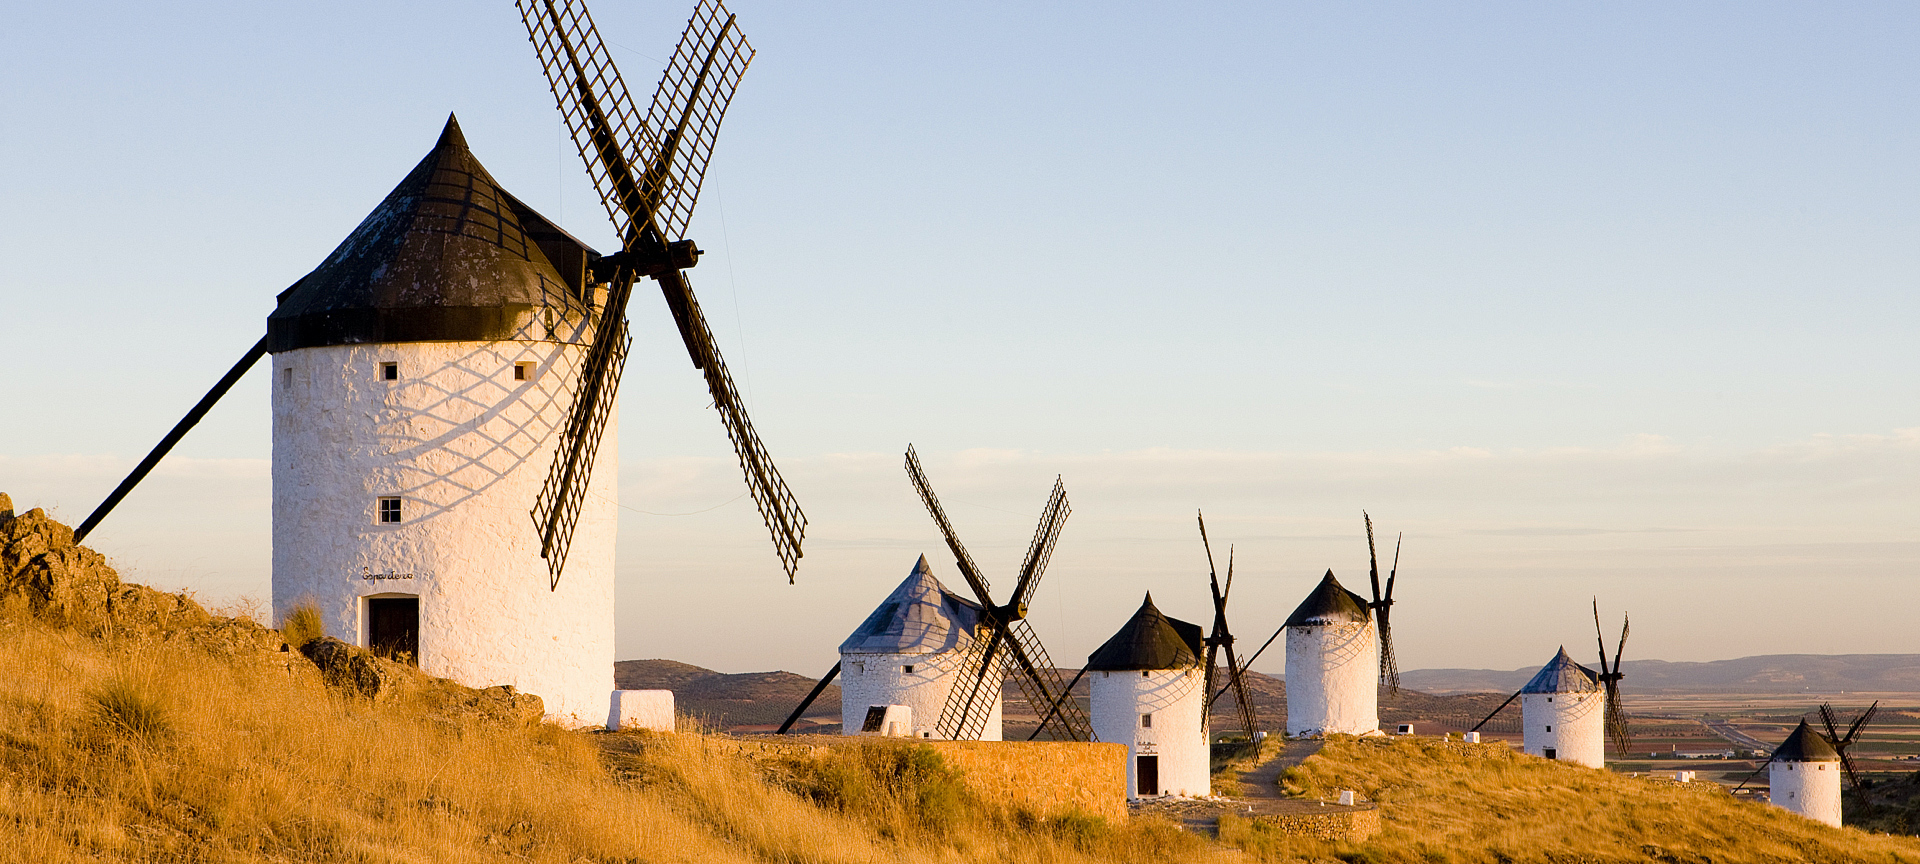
(1549,698)
(389,510)
(1143,673)
(1551,754)
(389,371)
(523,371)
(1549,728)
(286,378)
(1146,721)
(909,668)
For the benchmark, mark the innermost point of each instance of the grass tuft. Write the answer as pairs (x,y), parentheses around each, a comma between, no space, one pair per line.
(302,625)
(131,713)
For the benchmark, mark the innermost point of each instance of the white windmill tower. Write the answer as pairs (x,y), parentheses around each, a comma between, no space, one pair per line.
(1804,776)
(421,375)
(1149,693)
(1333,664)
(911,651)
(451,369)
(1563,713)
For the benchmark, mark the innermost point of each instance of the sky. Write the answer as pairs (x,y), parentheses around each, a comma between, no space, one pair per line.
(1603,300)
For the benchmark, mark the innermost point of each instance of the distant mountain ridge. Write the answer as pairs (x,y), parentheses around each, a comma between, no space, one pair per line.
(1766,673)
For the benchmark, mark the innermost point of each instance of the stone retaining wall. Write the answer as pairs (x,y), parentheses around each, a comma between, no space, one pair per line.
(1356,823)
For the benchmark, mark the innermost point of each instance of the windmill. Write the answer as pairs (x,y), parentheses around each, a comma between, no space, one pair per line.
(648,172)
(1382,603)
(1221,639)
(985,666)
(1842,743)
(1610,678)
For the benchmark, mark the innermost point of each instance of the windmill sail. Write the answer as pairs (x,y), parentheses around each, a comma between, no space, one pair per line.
(1010,645)
(1220,640)
(648,171)
(1383,604)
(1616,721)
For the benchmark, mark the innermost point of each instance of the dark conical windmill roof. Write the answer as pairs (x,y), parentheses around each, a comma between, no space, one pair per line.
(1150,640)
(920,617)
(1805,745)
(1562,675)
(1329,604)
(448,256)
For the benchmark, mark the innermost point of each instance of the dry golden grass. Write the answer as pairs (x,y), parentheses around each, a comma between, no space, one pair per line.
(1454,802)
(155,750)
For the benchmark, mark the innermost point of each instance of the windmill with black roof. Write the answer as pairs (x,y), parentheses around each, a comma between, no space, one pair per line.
(1149,692)
(444,387)
(1333,664)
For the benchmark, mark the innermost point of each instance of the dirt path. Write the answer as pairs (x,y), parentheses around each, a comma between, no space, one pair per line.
(1263,780)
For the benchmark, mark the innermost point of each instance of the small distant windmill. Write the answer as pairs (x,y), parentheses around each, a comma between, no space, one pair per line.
(985,669)
(1841,743)
(1221,639)
(1382,602)
(1610,677)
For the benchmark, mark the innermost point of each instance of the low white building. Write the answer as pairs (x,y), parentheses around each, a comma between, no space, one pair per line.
(1563,713)
(1149,693)
(912,651)
(1804,776)
(421,377)
(1333,664)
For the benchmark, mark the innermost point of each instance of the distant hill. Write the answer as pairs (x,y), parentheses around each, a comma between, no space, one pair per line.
(1768,673)
(730,701)
(745,701)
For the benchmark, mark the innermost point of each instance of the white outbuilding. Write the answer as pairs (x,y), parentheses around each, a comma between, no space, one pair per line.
(911,652)
(1563,713)
(421,376)
(1149,693)
(1804,776)
(1333,664)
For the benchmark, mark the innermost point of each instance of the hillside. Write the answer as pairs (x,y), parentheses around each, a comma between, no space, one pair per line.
(137,726)
(1767,673)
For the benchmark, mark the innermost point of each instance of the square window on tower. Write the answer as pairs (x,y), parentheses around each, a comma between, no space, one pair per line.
(389,371)
(286,378)
(909,668)
(1146,721)
(523,371)
(389,510)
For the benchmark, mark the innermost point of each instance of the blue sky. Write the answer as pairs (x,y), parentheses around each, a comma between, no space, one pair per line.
(1608,300)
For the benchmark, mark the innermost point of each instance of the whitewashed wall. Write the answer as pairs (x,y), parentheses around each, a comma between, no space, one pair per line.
(1811,789)
(466,447)
(1333,679)
(1573,724)
(1176,699)
(882,679)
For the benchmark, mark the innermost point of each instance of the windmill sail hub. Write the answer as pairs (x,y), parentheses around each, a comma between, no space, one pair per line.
(1333,664)
(1149,693)
(911,651)
(1804,776)
(420,375)
(1563,713)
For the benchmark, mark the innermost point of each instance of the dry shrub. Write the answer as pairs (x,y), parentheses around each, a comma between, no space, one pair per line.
(129,711)
(301,625)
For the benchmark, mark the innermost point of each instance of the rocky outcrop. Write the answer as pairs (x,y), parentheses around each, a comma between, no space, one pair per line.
(44,573)
(68,584)
(355,670)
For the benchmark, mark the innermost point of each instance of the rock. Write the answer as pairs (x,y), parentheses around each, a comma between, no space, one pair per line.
(358,671)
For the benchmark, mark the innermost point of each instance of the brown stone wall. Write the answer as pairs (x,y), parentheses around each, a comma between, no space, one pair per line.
(1046,776)
(1348,824)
